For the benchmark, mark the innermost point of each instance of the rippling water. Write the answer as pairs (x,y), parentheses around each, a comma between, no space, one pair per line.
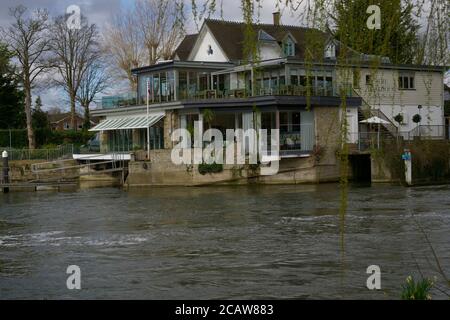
(221,243)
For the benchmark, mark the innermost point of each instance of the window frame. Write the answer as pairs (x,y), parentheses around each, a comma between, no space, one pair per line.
(406,82)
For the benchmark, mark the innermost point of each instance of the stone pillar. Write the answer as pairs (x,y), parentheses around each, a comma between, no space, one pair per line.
(104,141)
(136,138)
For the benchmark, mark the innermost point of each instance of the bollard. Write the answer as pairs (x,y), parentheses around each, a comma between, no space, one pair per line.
(408,166)
(5,170)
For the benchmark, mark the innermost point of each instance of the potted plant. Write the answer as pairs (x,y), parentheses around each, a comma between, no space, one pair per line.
(417,118)
(399,119)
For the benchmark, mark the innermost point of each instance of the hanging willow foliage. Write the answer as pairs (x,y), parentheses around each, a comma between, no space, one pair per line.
(412,31)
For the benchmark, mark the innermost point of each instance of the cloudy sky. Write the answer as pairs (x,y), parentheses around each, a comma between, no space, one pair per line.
(100,11)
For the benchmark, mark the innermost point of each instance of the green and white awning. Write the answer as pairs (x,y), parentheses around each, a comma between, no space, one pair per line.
(125,123)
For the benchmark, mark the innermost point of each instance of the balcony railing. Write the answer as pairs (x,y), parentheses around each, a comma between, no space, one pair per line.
(213,94)
(426,132)
(282,90)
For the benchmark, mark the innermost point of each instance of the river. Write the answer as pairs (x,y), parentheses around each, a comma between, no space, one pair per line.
(264,242)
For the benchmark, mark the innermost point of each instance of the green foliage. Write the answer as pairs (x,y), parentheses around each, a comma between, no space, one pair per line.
(397,37)
(40,119)
(419,290)
(44,136)
(417,118)
(208,116)
(204,168)
(399,118)
(430,160)
(12,113)
(38,103)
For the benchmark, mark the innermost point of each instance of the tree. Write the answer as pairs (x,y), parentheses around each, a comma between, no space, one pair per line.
(40,119)
(27,37)
(433,48)
(74,52)
(38,103)
(95,81)
(123,45)
(161,31)
(144,34)
(397,38)
(11,98)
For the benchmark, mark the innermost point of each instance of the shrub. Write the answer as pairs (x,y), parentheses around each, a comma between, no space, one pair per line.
(417,118)
(419,290)
(399,118)
(204,168)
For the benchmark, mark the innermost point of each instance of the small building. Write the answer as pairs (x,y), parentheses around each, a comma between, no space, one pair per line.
(63,121)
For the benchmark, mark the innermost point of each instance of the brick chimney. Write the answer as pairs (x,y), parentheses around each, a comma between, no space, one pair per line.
(276,18)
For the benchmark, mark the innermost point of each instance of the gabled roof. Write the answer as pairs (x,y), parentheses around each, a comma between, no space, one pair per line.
(230,36)
(186,46)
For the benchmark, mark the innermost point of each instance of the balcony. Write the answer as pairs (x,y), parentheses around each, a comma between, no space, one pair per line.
(282,90)
(179,95)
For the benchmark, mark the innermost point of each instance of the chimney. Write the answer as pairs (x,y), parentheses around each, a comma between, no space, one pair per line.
(276,18)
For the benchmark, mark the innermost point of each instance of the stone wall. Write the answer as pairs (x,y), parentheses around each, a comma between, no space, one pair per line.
(321,166)
(171,122)
(20,171)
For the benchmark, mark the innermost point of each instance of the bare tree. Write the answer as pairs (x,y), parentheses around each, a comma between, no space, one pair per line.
(144,34)
(123,44)
(74,51)
(28,38)
(173,35)
(158,22)
(95,81)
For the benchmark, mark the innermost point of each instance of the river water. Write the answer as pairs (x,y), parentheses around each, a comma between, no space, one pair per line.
(265,242)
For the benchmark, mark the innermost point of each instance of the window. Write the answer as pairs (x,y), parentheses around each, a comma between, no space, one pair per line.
(368,80)
(330,51)
(289,48)
(294,80)
(183,84)
(303,81)
(290,122)
(406,82)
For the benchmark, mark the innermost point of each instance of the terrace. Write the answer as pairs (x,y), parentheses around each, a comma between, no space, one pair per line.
(179,82)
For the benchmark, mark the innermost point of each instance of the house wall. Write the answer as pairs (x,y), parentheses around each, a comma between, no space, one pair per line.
(61,125)
(386,96)
(269,51)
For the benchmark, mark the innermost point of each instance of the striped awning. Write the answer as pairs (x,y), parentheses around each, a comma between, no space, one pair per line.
(125,123)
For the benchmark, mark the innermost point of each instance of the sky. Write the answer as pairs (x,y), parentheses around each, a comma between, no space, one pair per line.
(101,11)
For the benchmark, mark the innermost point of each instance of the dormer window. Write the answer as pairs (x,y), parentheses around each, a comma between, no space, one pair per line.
(289,48)
(330,51)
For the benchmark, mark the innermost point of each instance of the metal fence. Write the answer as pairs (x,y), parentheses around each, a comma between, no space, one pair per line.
(426,132)
(61,152)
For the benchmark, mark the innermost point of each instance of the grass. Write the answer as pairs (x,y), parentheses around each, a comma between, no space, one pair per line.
(419,290)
